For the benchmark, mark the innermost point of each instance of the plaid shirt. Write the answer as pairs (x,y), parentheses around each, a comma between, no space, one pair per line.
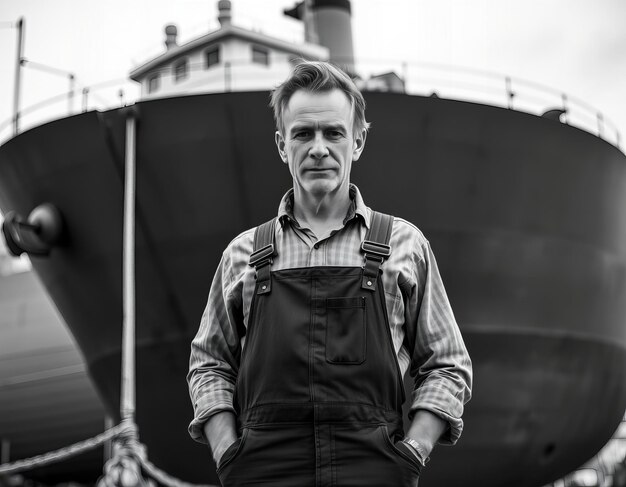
(415,298)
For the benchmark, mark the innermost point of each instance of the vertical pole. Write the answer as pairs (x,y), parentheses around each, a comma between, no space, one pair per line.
(127,399)
(130,472)
(565,108)
(70,95)
(18,76)
(85,99)
(600,125)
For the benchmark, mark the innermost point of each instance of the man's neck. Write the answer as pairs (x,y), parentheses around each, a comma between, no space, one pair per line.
(321,214)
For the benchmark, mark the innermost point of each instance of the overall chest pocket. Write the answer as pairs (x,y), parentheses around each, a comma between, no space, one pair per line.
(346,330)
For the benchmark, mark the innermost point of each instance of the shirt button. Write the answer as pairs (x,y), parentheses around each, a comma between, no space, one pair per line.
(316,246)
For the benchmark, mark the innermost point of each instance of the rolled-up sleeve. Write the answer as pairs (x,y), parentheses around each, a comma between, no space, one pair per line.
(215,350)
(440,364)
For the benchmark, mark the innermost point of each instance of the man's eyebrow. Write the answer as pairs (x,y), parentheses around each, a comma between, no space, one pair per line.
(300,126)
(313,126)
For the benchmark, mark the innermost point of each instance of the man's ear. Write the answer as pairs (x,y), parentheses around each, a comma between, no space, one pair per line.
(280,144)
(359,144)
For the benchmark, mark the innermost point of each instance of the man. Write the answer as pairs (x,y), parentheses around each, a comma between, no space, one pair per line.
(313,318)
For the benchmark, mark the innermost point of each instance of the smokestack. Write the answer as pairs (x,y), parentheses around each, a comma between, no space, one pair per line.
(223,8)
(171,33)
(333,20)
(329,23)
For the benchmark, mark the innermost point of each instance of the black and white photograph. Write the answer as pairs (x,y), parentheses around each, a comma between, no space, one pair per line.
(325,243)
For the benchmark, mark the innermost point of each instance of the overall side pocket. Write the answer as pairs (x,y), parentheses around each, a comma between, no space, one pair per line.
(400,450)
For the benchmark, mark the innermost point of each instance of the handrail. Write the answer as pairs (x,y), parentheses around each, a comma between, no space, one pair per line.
(55,107)
(419,78)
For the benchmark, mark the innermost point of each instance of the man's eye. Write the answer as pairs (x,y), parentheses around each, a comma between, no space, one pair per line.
(303,134)
(334,134)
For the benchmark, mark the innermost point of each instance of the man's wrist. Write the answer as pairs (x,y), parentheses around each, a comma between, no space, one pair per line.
(219,450)
(420,451)
(220,431)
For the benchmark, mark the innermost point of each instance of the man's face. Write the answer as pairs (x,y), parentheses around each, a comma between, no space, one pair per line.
(318,142)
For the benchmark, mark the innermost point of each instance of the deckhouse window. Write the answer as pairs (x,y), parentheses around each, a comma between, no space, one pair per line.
(181,70)
(154,83)
(260,55)
(212,57)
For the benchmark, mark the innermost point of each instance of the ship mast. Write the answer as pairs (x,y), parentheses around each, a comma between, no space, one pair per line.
(18,75)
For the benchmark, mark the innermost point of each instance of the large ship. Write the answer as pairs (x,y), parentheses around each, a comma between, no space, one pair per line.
(525,214)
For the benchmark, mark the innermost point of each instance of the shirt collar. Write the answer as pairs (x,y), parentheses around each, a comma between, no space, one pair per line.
(357,207)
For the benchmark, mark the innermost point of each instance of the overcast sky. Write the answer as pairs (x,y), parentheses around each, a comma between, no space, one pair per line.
(574,46)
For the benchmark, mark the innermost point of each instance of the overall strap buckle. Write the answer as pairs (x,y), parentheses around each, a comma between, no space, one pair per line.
(262,257)
(376,248)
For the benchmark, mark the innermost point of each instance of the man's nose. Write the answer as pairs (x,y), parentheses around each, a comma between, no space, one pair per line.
(318,149)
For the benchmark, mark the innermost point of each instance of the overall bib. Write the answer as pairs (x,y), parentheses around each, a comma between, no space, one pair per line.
(319,391)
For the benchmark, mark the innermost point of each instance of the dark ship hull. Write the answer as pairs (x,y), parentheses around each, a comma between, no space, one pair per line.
(526,216)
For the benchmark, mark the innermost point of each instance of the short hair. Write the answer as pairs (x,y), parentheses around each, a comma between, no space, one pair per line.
(318,76)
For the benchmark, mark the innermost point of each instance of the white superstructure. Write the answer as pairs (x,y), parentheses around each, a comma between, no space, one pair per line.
(230,58)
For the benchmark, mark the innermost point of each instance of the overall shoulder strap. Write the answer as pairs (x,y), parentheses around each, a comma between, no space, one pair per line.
(376,248)
(264,235)
(263,255)
(381,225)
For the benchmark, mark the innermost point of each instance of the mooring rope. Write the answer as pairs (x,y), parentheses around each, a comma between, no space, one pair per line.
(61,453)
(119,471)
(129,461)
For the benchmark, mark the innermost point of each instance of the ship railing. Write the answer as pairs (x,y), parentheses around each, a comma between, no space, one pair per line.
(424,79)
(100,96)
(497,89)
